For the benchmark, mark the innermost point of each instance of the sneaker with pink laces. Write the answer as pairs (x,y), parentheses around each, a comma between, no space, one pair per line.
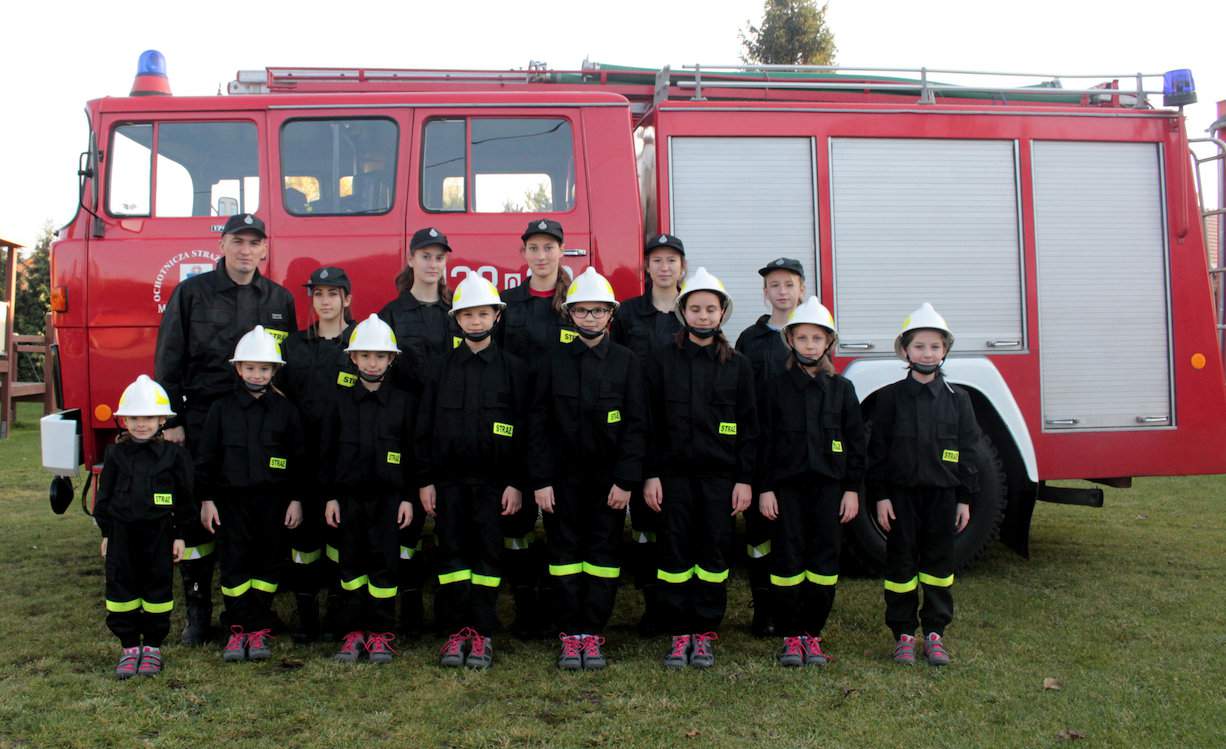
(351,648)
(934,650)
(257,645)
(129,661)
(793,653)
(379,646)
(480,652)
(703,655)
(593,658)
(451,655)
(236,647)
(571,657)
(679,655)
(150,661)
(814,655)
(904,651)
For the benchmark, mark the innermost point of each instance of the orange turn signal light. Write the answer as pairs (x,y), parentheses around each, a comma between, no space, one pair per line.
(102,412)
(59,299)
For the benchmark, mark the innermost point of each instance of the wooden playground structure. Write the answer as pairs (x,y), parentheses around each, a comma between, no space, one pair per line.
(12,346)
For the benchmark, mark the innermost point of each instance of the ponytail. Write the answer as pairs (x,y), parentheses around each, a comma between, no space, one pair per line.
(558,303)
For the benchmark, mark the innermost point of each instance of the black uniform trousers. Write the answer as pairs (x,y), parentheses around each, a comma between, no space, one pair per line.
(252,552)
(804,558)
(470,551)
(368,552)
(919,553)
(411,569)
(139,581)
(695,541)
(306,551)
(522,558)
(582,534)
(200,544)
(644,529)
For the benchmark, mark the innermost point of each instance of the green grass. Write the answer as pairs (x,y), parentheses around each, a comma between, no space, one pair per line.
(1123,606)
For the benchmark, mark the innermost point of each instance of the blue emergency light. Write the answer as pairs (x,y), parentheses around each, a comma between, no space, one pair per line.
(151,77)
(151,62)
(1178,88)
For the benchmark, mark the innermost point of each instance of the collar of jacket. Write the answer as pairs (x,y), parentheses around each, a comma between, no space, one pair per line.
(222,281)
(467,354)
(915,387)
(250,400)
(408,301)
(578,348)
(801,380)
(694,350)
(359,391)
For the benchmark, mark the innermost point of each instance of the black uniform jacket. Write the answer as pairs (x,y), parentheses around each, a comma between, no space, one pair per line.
(473,419)
(146,481)
(529,328)
(424,332)
(589,416)
(204,319)
(704,416)
(923,435)
(367,443)
(251,447)
(316,369)
(640,327)
(810,426)
(764,348)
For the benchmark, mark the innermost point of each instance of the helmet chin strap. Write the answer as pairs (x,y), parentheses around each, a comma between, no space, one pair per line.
(806,361)
(924,368)
(371,378)
(590,334)
(701,332)
(479,336)
(254,388)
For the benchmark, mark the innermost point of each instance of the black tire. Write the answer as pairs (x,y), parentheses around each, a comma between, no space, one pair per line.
(866,540)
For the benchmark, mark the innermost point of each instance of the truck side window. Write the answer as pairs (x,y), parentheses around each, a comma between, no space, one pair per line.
(519,165)
(338,167)
(130,186)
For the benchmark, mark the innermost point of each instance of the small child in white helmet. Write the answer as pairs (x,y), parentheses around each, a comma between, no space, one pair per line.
(922,471)
(145,503)
(250,470)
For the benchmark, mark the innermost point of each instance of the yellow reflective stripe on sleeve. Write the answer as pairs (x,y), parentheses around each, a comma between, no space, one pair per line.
(675,577)
(149,607)
(264,586)
(517,544)
(237,590)
(727,427)
(504,430)
(615,416)
(457,576)
(562,570)
(198,552)
(937,582)
(759,551)
(486,580)
(820,579)
(377,592)
(120,607)
(708,576)
(346,380)
(949,456)
(355,583)
(787,581)
(331,553)
(595,570)
(566,336)
(905,587)
(298,556)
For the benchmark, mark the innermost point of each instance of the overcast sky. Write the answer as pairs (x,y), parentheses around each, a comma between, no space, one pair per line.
(59,54)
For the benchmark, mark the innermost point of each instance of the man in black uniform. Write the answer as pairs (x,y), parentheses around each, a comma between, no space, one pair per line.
(206,316)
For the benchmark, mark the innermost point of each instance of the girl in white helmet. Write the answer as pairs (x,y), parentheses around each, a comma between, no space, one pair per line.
(921,467)
(700,464)
(588,426)
(145,504)
(809,475)
(251,473)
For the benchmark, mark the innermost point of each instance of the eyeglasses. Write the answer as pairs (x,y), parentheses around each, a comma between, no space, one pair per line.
(597,313)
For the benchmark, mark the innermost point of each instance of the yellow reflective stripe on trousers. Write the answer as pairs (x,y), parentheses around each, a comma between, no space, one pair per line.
(787,581)
(759,551)
(149,607)
(517,544)
(595,570)
(355,583)
(237,590)
(331,553)
(562,570)
(904,587)
(486,580)
(819,579)
(198,552)
(937,582)
(298,556)
(264,586)
(457,576)
(377,592)
(708,576)
(675,577)
(120,607)
(408,552)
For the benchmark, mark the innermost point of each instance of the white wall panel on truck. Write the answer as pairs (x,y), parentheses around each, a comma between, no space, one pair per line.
(738,203)
(1102,280)
(926,220)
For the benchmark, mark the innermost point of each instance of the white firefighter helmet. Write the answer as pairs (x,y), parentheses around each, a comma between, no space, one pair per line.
(475,291)
(144,397)
(372,334)
(925,318)
(258,345)
(590,286)
(812,312)
(701,280)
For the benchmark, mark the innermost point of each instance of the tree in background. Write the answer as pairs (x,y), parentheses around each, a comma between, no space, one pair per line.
(792,32)
(33,299)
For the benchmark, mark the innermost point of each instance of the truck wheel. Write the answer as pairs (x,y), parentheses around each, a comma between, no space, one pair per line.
(866,540)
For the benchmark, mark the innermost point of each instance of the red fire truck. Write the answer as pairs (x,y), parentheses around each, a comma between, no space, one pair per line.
(1055,226)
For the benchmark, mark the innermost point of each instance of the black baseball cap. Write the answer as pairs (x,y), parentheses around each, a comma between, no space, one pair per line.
(783,263)
(543,226)
(428,236)
(656,241)
(330,275)
(244,222)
